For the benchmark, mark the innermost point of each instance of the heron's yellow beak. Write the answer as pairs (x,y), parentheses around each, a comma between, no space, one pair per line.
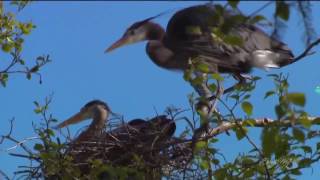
(121,42)
(72,120)
(127,39)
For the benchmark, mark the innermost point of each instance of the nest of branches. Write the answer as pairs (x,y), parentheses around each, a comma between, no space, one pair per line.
(142,145)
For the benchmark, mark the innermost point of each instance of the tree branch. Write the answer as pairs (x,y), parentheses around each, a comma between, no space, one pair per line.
(259,122)
(306,51)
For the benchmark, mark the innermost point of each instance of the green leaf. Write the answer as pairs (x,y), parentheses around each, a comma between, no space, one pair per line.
(193,30)
(305,162)
(236,97)
(28,76)
(256,19)
(215,161)
(38,147)
(204,165)
(34,69)
(217,77)
(318,146)
(38,110)
(280,111)
(268,140)
(269,93)
(316,121)
(3,79)
(306,149)
(305,122)
(201,145)
(187,75)
(36,103)
(241,133)
(213,87)
(233,3)
(297,98)
(247,107)
(197,81)
(233,40)
(203,68)
(213,140)
(7,47)
(282,10)
(298,134)
(246,97)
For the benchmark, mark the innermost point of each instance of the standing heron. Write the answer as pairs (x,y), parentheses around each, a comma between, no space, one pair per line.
(189,34)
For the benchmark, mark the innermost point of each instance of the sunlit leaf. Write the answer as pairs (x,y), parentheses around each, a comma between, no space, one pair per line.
(203,68)
(247,107)
(204,165)
(217,77)
(297,98)
(7,47)
(305,122)
(201,145)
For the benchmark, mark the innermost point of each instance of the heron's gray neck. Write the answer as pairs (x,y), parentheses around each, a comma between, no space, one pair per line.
(97,125)
(155,31)
(164,57)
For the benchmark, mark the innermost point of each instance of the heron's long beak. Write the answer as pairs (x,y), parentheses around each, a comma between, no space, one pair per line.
(121,42)
(80,116)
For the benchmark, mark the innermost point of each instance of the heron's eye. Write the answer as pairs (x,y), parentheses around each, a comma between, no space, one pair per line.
(131,32)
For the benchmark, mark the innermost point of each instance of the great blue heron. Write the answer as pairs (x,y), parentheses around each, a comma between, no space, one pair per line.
(99,112)
(189,34)
(138,137)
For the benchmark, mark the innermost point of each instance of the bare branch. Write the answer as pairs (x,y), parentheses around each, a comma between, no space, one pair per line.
(20,143)
(306,51)
(4,175)
(259,122)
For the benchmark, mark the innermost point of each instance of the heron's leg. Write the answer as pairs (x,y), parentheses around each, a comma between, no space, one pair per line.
(241,81)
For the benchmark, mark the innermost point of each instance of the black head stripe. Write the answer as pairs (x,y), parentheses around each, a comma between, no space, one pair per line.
(97,102)
(140,23)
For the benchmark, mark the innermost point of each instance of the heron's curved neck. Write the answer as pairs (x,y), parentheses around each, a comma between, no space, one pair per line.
(155,31)
(156,49)
(96,128)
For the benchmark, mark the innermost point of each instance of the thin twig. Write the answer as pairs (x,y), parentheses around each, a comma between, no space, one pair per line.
(261,8)
(306,51)
(4,175)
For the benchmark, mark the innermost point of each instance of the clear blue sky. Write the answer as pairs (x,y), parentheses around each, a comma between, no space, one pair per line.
(75,34)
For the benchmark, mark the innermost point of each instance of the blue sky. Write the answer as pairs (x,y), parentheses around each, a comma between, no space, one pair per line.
(75,35)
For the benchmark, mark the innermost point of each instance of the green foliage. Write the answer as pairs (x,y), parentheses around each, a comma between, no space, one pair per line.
(282,10)
(12,35)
